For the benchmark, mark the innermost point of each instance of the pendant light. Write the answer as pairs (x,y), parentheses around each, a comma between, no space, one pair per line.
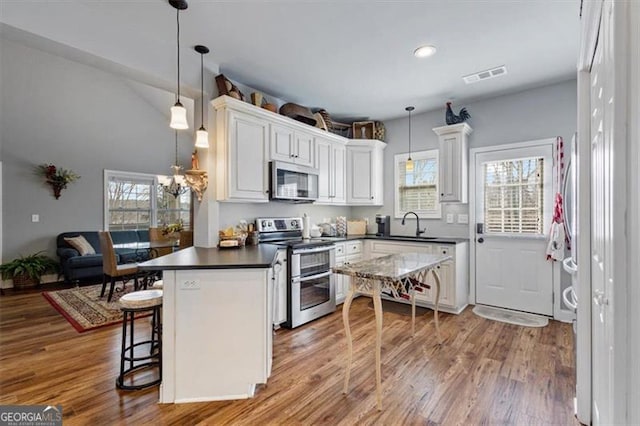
(174,185)
(178,111)
(409,163)
(202,137)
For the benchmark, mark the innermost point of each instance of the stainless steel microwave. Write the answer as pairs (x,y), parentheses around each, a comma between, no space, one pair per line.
(293,183)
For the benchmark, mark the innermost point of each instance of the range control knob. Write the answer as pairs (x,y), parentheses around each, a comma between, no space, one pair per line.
(294,224)
(264,224)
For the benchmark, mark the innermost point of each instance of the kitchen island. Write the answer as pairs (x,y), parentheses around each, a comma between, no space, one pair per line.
(216,322)
(400,275)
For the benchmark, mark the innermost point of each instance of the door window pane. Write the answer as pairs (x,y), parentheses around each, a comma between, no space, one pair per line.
(513,196)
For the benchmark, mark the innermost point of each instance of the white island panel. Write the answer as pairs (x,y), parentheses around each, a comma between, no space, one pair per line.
(216,333)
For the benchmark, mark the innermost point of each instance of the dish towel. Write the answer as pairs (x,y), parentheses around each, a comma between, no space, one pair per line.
(555,247)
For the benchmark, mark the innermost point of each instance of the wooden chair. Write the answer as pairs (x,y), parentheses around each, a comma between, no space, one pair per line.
(110,267)
(155,236)
(186,239)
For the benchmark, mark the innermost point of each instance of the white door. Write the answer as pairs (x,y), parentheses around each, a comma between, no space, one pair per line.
(602,285)
(513,206)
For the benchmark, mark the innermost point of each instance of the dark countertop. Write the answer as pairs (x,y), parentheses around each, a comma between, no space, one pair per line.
(261,256)
(433,240)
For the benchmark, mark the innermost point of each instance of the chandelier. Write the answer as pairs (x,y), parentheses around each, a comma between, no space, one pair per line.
(174,184)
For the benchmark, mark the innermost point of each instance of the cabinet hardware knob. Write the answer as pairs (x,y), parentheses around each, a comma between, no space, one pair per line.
(442,194)
(372,197)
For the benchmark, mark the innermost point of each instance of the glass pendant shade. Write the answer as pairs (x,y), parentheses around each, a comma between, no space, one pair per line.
(202,138)
(409,165)
(178,117)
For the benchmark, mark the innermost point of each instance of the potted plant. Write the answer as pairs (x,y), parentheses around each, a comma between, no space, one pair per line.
(172,230)
(27,271)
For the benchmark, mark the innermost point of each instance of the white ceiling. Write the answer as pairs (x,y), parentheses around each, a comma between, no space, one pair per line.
(352,57)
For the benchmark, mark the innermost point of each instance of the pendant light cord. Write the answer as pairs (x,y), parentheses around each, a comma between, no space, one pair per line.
(178,38)
(176,132)
(409,135)
(201,90)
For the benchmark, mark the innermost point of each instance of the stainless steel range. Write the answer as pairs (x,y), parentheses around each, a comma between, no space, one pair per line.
(310,284)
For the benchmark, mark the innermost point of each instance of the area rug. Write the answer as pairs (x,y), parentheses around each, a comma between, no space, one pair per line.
(85,309)
(512,317)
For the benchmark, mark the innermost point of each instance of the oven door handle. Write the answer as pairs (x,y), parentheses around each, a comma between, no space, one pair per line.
(312,277)
(314,249)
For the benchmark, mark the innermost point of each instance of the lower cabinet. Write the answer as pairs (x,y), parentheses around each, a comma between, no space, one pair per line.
(454,277)
(346,252)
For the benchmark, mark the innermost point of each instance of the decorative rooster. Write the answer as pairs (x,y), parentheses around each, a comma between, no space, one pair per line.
(451,118)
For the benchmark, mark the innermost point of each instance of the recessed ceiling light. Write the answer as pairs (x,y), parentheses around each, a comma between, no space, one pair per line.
(424,51)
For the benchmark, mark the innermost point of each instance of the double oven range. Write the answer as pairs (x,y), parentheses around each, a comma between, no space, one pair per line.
(310,283)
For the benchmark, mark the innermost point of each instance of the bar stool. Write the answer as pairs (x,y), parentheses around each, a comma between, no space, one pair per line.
(130,304)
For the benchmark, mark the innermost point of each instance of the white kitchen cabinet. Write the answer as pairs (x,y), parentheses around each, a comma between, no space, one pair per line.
(291,145)
(453,181)
(365,172)
(330,160)
(241,149)
(346,252)
(454,275)
(280,288)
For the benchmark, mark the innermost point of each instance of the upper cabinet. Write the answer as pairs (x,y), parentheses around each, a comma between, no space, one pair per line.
(454,148)
(241,149)
(291,145)
(365,172)
(330,160)
(248,137)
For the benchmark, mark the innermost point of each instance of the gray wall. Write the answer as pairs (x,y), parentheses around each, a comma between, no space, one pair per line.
(75,116)
(540,113)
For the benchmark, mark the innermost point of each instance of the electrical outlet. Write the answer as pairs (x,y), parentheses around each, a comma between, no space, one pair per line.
(35,218)
(463,218)
(449,217)
(190,285)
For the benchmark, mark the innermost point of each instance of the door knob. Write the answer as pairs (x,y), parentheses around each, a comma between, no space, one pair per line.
(481,240)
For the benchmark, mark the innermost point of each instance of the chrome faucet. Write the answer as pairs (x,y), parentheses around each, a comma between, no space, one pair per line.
(418,230)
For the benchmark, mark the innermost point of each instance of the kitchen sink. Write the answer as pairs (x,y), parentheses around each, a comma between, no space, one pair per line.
(409,237)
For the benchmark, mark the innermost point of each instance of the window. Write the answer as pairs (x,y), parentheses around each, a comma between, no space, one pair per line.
(136,201)
(513,196)
(417,190)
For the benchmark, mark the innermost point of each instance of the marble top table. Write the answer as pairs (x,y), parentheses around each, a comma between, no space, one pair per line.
(398,275)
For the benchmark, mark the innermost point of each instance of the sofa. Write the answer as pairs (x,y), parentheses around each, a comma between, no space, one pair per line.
(76,268)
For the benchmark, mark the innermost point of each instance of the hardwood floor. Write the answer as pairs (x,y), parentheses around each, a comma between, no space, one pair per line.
(485,372)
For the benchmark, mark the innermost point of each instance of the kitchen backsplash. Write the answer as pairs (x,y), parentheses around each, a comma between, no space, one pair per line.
(231,213)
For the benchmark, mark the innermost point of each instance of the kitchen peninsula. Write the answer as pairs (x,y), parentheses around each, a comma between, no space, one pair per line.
(216,322)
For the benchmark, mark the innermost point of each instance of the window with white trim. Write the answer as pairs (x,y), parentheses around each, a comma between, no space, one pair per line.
(417,190)
(513,196)
(136,201)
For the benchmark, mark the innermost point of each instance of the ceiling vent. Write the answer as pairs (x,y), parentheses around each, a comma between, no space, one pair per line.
(485,75)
